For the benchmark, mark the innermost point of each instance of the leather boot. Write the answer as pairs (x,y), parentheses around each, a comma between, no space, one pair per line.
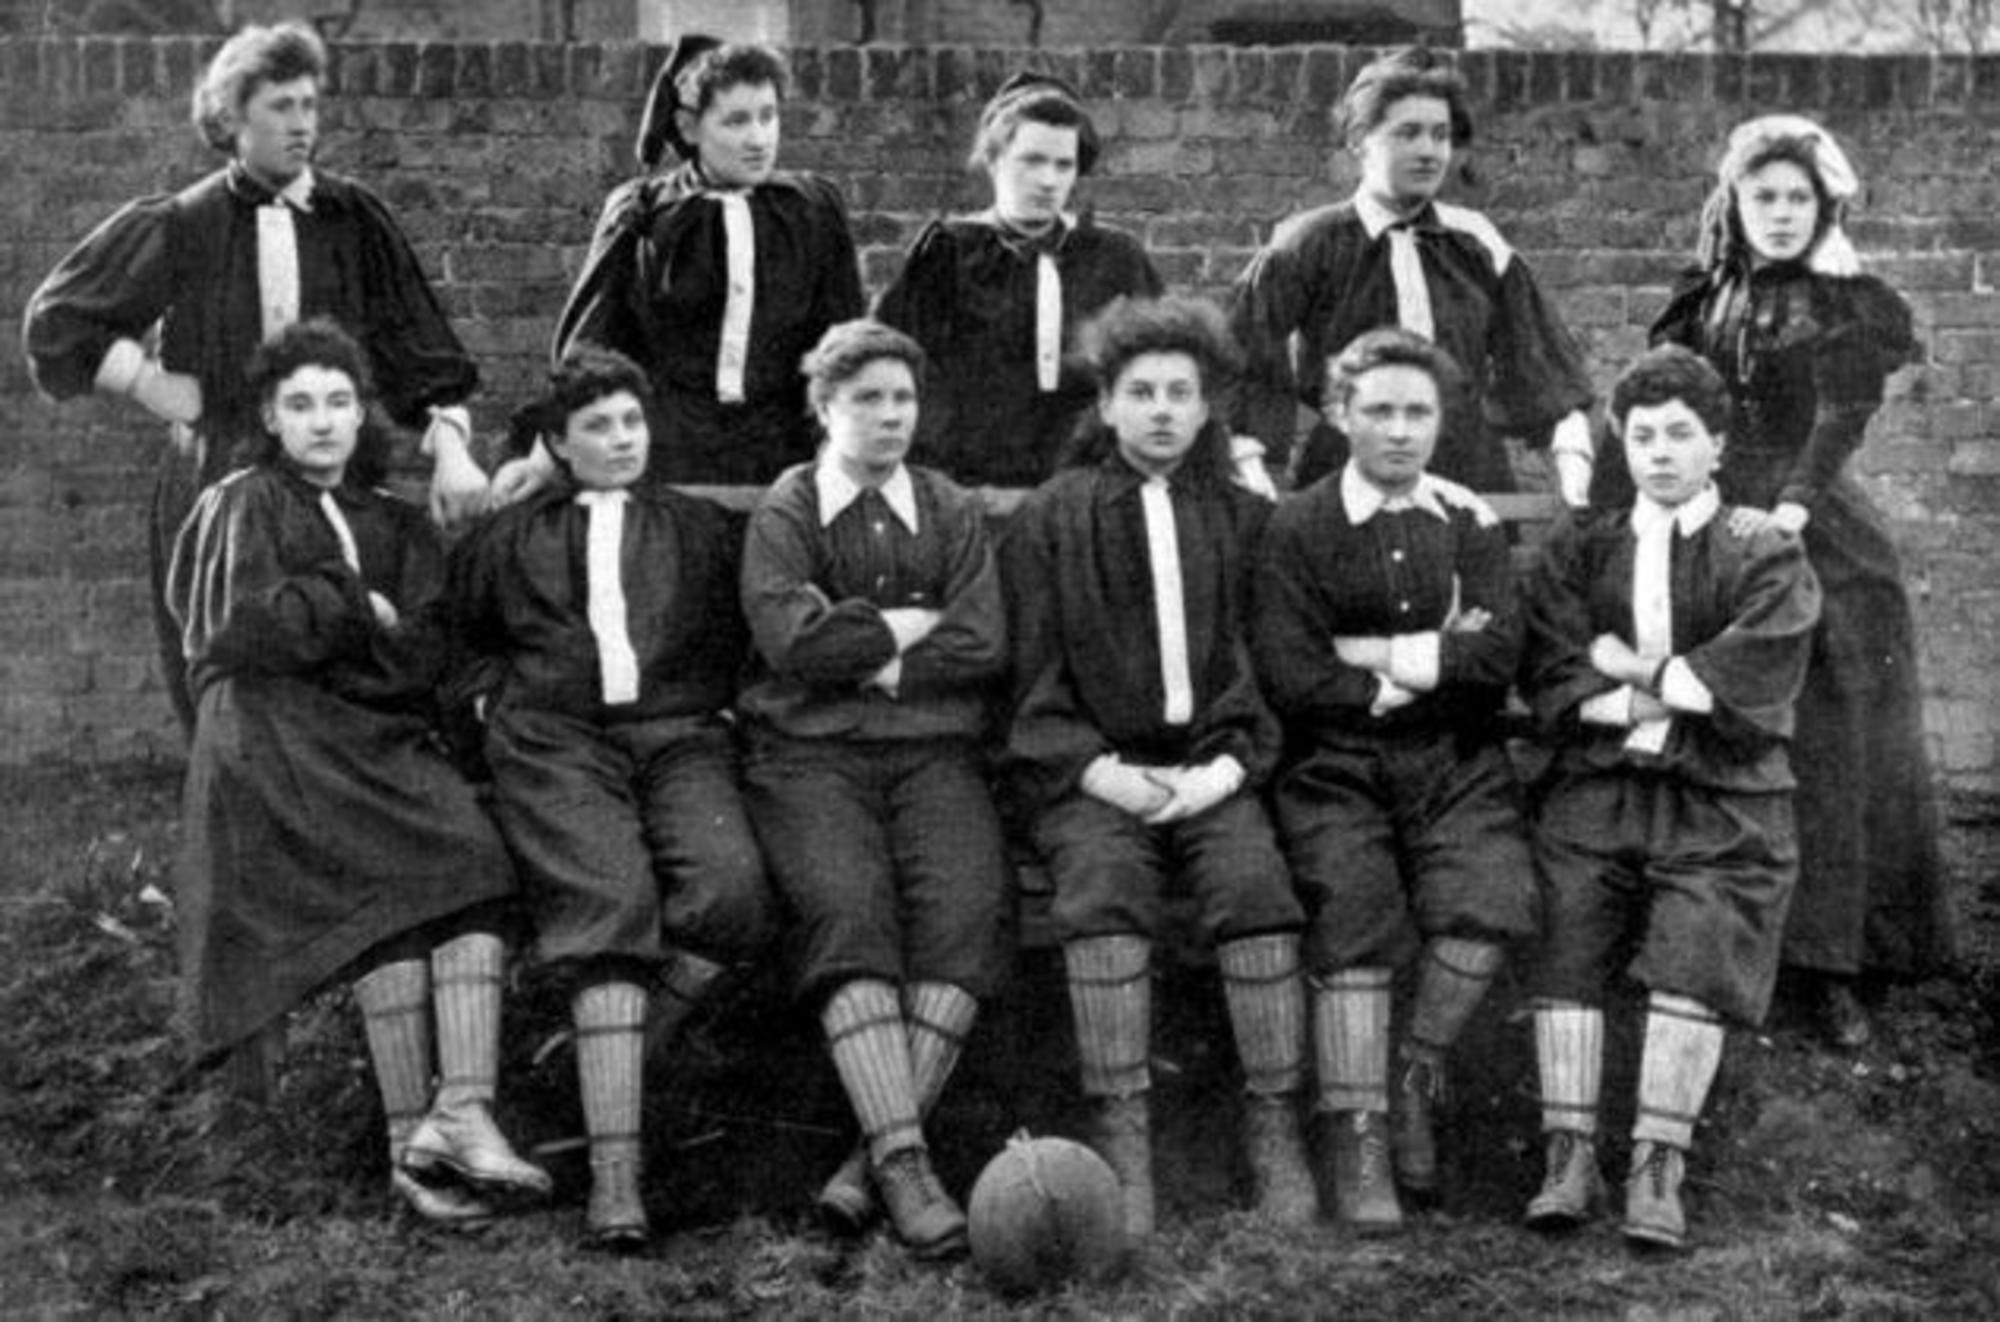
(1364,1189)
(1417,1090)
(1122,1134)
(1572,1186)
(1653,1212)
(926,1218)
(1277,1154)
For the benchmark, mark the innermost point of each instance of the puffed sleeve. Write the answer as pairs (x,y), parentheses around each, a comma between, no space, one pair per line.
(1050,740)
(1538,372)
(112,286)
(599,309)
(1268,304)
(476,629)
(418,359)
(838,296)
(800,631)
(921,299)
(1679,322)
(1756,665)
(969,645)
(1289,639)
(1868,337)
(239,610)
(1556,675)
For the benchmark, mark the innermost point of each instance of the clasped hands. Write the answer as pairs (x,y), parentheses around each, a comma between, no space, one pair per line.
(1376,653)
(1158,795)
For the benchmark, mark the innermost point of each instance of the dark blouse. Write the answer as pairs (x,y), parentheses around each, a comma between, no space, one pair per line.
(1322,277)
(1087,676)
(1805,356)
(654,286)
(259,588)
(814,598)
(1743,615)
(520,603)
(1321,577)
(966,293)
(189,261)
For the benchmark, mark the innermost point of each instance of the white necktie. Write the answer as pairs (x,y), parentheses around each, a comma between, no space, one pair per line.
(1413,296)
(1163,552)
(617,666)
(1652,617)
(1048,322)
(740,246)
(349,552)
(277,266)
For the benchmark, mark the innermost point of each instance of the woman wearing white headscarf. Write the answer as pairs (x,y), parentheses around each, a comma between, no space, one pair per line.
(1778,303)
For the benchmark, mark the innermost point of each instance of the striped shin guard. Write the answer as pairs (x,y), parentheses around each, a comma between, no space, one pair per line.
(1267,1010)
(871,1051)
(395,1001)
(609,1037)
(1111,1002)
(1683,1049)
(1351,1039)
(1569,1056)
(465,981)
(938,1018)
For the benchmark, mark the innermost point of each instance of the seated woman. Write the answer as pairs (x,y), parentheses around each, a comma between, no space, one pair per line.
(614,764)
(324,838)
(874,603)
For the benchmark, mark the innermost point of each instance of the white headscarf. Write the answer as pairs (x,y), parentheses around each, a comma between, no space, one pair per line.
(1751,143)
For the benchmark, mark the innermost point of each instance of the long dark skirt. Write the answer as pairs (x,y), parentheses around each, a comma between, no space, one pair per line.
(314,830)
(1871,890)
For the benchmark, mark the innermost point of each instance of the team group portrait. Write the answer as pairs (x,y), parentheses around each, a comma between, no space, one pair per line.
(1131,659)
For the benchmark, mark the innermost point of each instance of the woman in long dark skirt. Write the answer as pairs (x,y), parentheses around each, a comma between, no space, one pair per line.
(1777,301)
(325,838)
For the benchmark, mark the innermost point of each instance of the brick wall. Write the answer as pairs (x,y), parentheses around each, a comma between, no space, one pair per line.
(495,157)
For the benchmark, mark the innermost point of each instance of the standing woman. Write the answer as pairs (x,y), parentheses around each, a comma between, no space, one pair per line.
(324,838)
(230,260)
(992,297)
(716,276)
(1778,303)
(1393,255)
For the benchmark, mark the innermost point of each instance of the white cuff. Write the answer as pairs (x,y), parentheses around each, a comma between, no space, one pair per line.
(1414,660)
(1682,689)
(1572,436)
(454,416)
(1612,708)
(889,678)
(119,371)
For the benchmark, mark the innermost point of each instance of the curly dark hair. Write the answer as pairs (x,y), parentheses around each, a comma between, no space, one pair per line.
(585,374)
(1671,372)
(1128,328)
(318,342)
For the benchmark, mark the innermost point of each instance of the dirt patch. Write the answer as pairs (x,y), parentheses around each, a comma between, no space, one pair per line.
(1821,1185)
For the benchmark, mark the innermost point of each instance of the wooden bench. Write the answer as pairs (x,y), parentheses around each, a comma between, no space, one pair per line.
(1528,515)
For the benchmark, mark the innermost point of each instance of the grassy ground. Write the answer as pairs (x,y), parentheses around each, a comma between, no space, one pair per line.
(1822,1185)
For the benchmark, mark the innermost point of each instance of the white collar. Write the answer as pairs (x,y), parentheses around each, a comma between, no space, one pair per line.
(1363,500)
(1376,215)
(298,193)
(1690,516)
(837,491)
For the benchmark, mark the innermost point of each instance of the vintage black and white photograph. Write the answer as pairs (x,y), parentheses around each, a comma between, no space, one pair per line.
(1191,659)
